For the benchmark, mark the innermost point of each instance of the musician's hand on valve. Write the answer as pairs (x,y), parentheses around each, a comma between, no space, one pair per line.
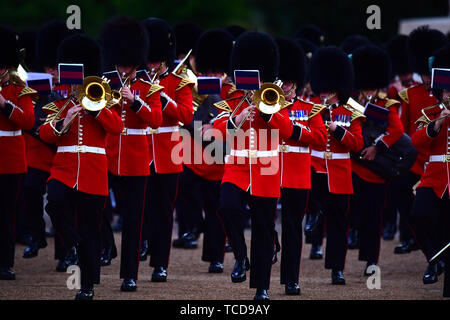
(332,125)
(71,113)
(127,95)
(248,113)
(438,123)
(369,153)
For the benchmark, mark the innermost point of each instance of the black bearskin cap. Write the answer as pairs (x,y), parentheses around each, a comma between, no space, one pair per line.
(49,37)
(27,45)
(162,41)
(187,34)
(312,33)
(372,67)
(292,62)
(397,48)
(422,43)
(353,42)
(441,60)
(80,48)
(213,51)
(124,42)
(9,54)
(332,71)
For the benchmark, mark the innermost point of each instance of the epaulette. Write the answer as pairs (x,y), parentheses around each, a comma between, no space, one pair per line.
(403,94)
(223,105)
(50,108)
(154,88)
(26,91)
(355,113)
(390,103)
(184,82)
(316,108)
(232,88)
(287,104)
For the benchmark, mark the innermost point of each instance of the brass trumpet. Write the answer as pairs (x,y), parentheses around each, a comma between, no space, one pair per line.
(94,95)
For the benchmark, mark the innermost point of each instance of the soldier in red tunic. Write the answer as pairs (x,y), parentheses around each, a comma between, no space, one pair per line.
(372,73)
(331,165)
(295,159)
(430,214)
(203,168)
(252,168)
(40,154)
(125,44)
(164,144)
(16,114)
(78,181)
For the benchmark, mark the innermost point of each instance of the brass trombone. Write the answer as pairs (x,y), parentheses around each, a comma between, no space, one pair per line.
(94,95)
(442,106)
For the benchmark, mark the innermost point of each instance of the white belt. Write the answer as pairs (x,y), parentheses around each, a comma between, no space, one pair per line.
(329,155)
(82,149)
(440,158)
(134,132)
(253,153)
(296,149)
(163,130)
(4,133)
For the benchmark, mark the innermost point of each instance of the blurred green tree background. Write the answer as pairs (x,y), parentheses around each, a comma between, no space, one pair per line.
(337,18)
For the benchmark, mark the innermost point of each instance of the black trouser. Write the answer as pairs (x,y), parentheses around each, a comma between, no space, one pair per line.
(106,228)
(161,196)
(63,204)
(400,197)
(263,214)
(189,203)
(10,185)
(317,203)
(131,196)
(34,191)
(293,206)
(368,201)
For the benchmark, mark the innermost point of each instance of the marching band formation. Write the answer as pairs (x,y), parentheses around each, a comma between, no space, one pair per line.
(347,136)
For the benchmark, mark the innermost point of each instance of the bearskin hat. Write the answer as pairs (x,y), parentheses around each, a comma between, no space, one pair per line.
(213,51)
(124,42)
(235,30)
(372,67)
(80,48)
(292,62)
(9,54)
(397,48)
(49,37)
(423,41)
(312,33)
(27,45)
(309,48)
(353,42)
(332,71)
(256,51)
(441,60)
(162,41)
(187,34)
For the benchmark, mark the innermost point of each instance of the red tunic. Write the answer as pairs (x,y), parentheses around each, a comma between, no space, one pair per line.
(437,172)
(253,164)
(165,149)
(75,165)
(341,142)
(127,152)
(295,165)
(17,116)
(394,132)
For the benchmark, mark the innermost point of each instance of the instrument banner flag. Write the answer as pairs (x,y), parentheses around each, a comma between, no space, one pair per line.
(440,78)
(246,79)
(71,73)
(41,82)
(209,85)
(376,113)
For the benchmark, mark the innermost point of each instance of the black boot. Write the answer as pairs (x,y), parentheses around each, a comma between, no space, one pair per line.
(107,255)
(431,274)
(85,294)
(128,285)
(389,231)
(292,289)
(215,267)
(187,241)
(239,270)
(143,251)
(312,223)
(316,252)
(402,248)
(7,274)
(337,277)
(261,294)
(353,241)
(159,274)
(368,272)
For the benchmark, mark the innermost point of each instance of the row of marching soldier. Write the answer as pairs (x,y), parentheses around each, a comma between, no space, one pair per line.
(331,134)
